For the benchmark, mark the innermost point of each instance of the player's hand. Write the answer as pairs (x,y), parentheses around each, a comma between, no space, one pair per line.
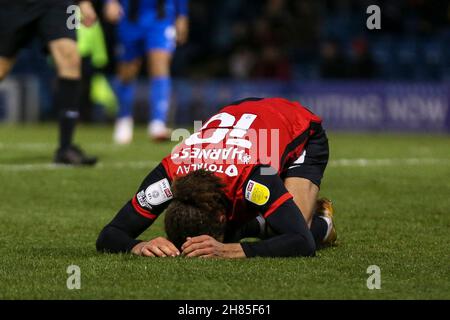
(158,247)
(113,11)
(89,17)
(182,30)
(203,246)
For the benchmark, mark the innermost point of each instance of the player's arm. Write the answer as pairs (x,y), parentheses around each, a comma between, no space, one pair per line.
(136,216)
(292,236)
(113,11)
(182,21)
(205,246)
(267,194)
(293,239)
(88,15)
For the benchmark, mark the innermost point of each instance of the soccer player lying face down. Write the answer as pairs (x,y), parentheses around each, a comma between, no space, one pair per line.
(198,208)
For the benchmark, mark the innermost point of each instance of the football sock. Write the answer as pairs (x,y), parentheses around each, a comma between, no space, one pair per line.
(66,100)
(320,228)
(125,95)
(160,98)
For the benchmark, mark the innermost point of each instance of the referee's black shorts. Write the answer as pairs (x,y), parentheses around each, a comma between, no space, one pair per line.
(22,20)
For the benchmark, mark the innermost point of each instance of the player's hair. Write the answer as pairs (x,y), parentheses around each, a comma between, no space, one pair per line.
(196,209)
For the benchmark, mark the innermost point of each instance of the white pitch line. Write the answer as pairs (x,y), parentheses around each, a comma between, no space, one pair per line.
(101,165)
(151,164)
(35,146)
(386,162)
(46,146)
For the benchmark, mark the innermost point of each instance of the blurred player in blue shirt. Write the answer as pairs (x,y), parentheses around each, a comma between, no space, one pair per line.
(151,28)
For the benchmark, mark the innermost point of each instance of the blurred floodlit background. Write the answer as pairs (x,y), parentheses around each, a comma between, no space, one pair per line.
(319,52)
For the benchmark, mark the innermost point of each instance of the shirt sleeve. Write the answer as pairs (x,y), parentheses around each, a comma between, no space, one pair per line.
(265,191)
(154,194)
(292,235)
(138,214)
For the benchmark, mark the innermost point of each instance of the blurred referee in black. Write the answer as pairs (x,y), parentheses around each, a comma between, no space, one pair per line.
(20,22)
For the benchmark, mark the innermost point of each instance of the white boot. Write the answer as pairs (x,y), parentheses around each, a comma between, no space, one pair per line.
(158,131)
(123,130)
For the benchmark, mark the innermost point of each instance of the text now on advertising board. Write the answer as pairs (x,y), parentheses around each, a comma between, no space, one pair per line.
(369,106)
(343,105)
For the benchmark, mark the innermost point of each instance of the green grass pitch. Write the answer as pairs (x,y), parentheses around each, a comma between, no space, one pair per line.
(391,194)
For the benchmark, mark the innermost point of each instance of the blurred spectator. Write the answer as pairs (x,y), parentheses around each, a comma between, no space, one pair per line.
(334,64)
(362,65)
(306,29)
(242,62)
(272,64)
(289,39)
(284,39)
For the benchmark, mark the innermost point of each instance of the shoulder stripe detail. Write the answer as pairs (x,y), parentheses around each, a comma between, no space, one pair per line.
(285,197)
(141,211)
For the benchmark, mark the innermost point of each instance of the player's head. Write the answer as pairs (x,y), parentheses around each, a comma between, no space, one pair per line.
(198,207)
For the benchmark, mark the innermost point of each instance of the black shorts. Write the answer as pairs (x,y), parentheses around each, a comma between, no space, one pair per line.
(22,20)
(313,160)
